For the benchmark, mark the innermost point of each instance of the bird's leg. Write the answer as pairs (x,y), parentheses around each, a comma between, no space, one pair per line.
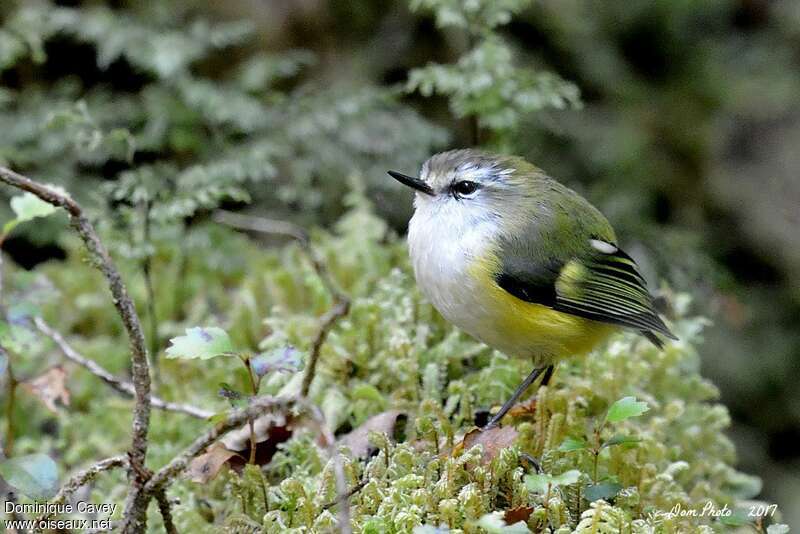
(548,372)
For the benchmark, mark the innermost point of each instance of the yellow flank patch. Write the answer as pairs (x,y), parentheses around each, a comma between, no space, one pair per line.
(543,333)
(568,282)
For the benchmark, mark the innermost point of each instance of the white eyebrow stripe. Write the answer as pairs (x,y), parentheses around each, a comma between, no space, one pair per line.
(603,246)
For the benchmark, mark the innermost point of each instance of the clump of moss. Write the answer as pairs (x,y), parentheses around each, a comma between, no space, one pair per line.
(394,352)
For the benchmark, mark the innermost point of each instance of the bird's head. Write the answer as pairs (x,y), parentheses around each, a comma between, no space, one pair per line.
(471,185)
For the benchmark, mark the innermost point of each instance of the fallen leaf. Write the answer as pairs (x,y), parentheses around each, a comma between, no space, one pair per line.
(358,440)
(263,427)
(49,387)
(520,513)
(206,466)
(270,430)
(493,440)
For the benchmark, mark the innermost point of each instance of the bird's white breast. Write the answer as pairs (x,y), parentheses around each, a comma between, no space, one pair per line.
(443,246)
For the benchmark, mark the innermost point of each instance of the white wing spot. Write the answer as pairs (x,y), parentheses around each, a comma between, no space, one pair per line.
(602,246)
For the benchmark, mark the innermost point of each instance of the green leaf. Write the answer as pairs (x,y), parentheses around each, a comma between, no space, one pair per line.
(367,392)
(538,483)
(573,444)
(738,518)
(603,490)
(35,475)
(494,524)
(567,478)
(742,485)
(28,206)
(619,439)
(625,408)
(201,342)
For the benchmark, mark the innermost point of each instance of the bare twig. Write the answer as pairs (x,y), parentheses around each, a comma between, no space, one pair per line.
(261,225)
(82,478)
(137,500)
(341,304)
(116,383)
(165,507)
(329,320)
(147,272)
(340,499)
(235,419)
(11,384)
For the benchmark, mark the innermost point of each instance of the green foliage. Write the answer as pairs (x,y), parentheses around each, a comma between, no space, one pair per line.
(35,475)
(201,343)
(625,408)
(27,207)
(541,483)
(486,83)
(175,141)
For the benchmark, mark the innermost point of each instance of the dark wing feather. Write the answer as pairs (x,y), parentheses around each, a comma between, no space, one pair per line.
(608,287)
(605,287)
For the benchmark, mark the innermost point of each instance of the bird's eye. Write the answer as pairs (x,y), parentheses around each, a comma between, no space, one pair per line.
(464,188)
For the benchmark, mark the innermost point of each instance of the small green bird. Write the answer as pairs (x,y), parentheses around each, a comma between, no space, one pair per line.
(521,262)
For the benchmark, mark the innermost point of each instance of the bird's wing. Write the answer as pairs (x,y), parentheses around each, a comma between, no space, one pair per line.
(601,282)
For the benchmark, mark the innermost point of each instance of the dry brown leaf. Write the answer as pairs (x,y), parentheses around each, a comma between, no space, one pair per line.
(206,466)
(270,430)
(263,427)
(50,387)
(358,440)
(520,513)
(493,440)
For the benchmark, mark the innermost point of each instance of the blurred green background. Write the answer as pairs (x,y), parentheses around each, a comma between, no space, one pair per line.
(685,135)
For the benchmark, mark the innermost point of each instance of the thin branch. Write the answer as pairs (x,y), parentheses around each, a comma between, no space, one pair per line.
(339,310)
(340,499)
(261,225)
(341,304)
(11,384)
(115,382)
(165,507)
(136,503)
(234,419)
(82,478)
(147,272)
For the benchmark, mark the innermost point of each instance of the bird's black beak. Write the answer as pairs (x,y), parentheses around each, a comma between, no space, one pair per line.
(414,183)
